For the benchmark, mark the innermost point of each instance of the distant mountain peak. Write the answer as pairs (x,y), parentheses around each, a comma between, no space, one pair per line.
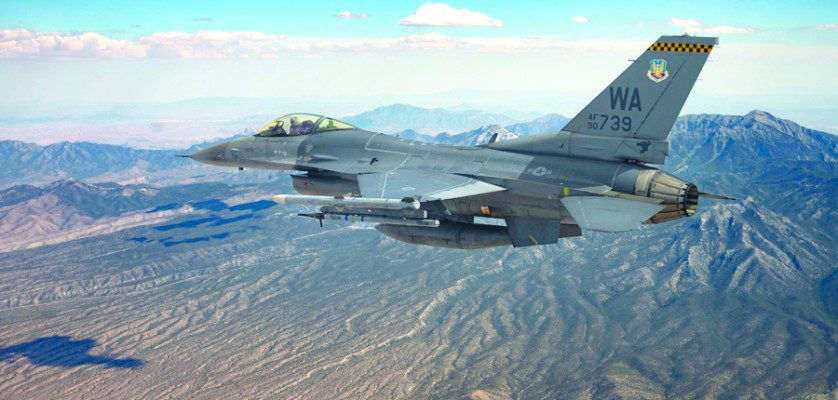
(477,136)
(65,183)
(492,128)
(740,142)
(760,114)
(766,118)
(756,122)
(70,186)
(548,123)
(397,106)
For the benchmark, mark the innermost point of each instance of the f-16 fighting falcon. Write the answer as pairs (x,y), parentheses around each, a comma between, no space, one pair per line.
(593,175)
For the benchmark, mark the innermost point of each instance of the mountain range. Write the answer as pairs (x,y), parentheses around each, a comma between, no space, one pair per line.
(222,294)
(398,117)
(22,162)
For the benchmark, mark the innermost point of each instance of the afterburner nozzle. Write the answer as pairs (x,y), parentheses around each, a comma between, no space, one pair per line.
(679,198)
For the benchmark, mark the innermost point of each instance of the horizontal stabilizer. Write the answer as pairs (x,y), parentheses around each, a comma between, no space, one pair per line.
(602,189)
(609,214)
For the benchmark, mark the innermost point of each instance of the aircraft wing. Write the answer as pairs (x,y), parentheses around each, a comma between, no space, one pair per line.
(422,185)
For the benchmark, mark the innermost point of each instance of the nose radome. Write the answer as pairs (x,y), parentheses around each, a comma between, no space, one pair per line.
(211,155)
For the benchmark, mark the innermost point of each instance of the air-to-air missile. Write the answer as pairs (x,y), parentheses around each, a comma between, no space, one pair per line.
(372,219)
(347,202)
(595,174)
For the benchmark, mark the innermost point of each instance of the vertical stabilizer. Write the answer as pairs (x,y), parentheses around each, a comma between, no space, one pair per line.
(644,101)
(632,117)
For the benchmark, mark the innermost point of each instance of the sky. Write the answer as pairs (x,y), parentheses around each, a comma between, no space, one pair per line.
(343,57)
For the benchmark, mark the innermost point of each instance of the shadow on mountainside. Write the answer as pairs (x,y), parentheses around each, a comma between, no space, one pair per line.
(62,351)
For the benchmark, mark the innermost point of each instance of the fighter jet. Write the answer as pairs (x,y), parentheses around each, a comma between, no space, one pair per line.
(595,174)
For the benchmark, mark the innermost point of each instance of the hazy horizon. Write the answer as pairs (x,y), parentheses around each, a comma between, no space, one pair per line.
(183,123)
(524,59)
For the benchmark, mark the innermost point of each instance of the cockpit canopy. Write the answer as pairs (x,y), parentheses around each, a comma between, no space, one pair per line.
(301,124)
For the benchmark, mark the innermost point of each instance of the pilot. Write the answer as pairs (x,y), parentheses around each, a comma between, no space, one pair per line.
(295,126)
(277,129)
(306,127)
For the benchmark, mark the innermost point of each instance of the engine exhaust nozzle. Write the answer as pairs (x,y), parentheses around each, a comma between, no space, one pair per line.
(680,199)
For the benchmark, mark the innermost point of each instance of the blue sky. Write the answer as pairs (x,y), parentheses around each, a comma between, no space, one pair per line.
(126,19)
(538,55)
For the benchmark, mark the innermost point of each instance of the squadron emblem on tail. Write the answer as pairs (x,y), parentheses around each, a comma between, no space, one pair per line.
(657,70)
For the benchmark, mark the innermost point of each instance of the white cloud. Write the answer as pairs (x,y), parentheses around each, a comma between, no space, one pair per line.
(580,19)
(439,42)
(204,44)
(441,14)
(351,15)
(694,27)
(17,43)
(825,27)
(211,44)
(7,35)
(23,42)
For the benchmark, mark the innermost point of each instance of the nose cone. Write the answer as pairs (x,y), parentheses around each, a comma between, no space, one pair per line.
(214,155)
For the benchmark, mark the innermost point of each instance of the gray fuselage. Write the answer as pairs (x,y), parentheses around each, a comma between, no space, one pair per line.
(534,183)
